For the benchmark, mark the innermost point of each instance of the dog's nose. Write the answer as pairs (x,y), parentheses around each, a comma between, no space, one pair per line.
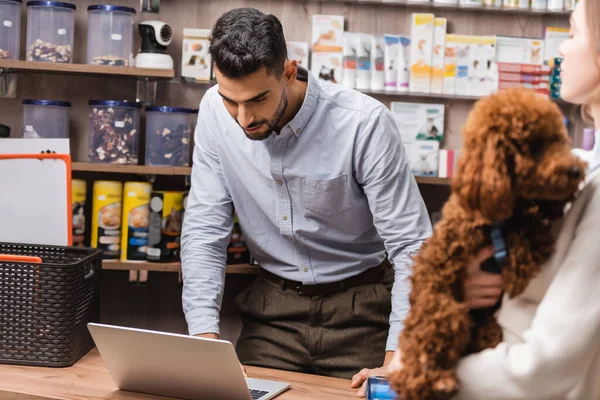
(574,172)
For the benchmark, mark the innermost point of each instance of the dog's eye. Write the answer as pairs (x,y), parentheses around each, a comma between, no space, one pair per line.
(536,146)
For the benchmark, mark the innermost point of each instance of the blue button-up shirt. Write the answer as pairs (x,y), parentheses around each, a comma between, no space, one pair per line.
(320,202)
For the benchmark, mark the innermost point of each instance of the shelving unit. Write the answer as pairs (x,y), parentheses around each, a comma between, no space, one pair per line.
(236,269)
(84,69)
(430,5)
(186,171)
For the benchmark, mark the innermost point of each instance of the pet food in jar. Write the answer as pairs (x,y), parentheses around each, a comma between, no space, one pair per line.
(106,218)
(134,229)
(166,219)
(168,136)
(78,195)
(50,31)
(110,35)
(10,29)
(113,133)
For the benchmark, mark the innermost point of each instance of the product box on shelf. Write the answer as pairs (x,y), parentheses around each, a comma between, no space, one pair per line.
(328,33)
(363,58)
(476,67)
(164,232)
(421,51)
(448,161)
(349,59)
(419,121)
(78,207)
(392,45)
(377,62)
(298,51)
(437,62)
(106,218)
(519,50)
(327,67)
(423,156)
(554,38)
(135,221)
(404,64)
(449,81)
(195,59)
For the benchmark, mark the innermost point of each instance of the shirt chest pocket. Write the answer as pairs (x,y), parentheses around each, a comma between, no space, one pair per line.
(326,196)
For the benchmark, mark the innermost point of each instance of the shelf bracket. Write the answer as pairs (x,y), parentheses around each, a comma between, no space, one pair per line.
(146,91)
(8,83)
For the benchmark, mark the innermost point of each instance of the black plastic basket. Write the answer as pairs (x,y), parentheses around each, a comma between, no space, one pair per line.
(45,307)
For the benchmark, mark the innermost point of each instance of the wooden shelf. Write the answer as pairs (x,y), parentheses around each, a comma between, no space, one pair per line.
(130,169)
(431,180)
(420,95)
(85,69)
(431,5)
(116,265)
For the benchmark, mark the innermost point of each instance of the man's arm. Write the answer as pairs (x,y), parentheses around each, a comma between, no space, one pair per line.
(206,229)
(399,213)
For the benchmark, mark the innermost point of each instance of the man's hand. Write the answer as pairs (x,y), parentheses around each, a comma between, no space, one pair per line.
(363,375)
(482,289)
(215,336)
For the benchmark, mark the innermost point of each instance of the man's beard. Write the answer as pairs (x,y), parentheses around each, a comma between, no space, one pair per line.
(272,125)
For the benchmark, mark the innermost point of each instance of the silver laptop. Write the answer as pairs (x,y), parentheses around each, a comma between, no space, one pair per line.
(179,366)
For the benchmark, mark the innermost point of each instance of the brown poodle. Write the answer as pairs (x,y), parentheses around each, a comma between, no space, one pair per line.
(515,175)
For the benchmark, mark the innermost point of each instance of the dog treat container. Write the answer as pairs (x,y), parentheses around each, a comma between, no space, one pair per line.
(110,35)
(166,219)
(106,218)
(168,135)
(10,29)
(134,225)
(46,119)
(78,196)
(50,29)
(113,132)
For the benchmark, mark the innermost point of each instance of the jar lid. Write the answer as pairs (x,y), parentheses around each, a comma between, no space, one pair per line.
(47,103)
(164,109)
(103,7)
(115,103)
(55,4)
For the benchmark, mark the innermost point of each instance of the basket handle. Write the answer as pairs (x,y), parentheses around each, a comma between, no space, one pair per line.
(15,258)
(91,273)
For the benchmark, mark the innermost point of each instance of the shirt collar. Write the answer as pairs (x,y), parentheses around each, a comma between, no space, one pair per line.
(309,104)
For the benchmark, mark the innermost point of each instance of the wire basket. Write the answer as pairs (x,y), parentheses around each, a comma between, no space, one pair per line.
(48,294)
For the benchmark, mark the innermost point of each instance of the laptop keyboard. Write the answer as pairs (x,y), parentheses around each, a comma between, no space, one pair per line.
(257,394)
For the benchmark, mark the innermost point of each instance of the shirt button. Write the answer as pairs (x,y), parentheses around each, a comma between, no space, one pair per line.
(305,269)
(284,218)
(279,182)
(299,131)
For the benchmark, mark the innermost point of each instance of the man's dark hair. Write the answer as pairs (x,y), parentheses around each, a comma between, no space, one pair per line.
(244,40)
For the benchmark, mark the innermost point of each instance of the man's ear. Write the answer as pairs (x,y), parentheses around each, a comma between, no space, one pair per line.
(290,70)
(483,181)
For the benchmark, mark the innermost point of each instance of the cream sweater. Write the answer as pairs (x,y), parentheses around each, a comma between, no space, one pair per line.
(551,347)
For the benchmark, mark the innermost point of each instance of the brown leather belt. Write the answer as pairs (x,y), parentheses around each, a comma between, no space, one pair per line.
(370,276)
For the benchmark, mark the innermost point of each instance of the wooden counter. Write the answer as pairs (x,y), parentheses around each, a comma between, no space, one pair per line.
(89,380)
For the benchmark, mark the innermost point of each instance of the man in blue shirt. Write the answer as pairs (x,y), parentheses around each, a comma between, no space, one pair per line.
(324,193)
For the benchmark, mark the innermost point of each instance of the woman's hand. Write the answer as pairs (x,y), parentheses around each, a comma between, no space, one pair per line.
(482,289)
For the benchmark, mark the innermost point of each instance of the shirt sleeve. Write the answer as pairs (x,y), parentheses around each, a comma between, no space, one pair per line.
(205,235)
(562,341)
(399,213)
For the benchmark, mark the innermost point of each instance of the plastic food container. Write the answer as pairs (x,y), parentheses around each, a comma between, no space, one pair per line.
(110,35)
(10,29)
(50,28)
(114,128)
(46,119)
(168,133)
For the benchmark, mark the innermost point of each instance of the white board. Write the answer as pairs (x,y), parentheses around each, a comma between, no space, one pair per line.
(35,199)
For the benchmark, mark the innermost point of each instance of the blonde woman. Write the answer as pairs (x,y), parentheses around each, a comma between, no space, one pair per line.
(551,347)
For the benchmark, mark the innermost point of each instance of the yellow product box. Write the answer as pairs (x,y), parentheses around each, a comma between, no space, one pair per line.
(106,218)
(437,61)
(449,80)
(135,221)
(421,51)
(78,197)
(166,221)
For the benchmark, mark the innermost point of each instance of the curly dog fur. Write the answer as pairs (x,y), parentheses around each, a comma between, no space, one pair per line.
(516,168)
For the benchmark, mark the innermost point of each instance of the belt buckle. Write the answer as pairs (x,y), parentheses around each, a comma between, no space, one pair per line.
(299,289)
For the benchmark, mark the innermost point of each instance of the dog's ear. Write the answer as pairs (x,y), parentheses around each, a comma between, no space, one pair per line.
(484,181)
